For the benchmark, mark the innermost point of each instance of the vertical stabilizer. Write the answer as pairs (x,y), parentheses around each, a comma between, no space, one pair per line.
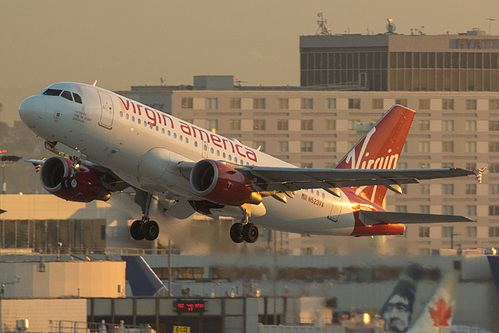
(397,310)
(380,148)
(438,313)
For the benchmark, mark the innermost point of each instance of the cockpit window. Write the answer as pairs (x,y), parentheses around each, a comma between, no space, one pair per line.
(77,98)
(67,95)
(52,92)
(64,93)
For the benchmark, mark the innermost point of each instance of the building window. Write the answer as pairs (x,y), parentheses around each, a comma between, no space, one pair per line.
(306,146)
(493,231)
(471,210)
(424,125)
(471,104)
(493,125)
(283,146)
(259,144)
(470,147)
(448,165)
(447,146)
(352,124)
(494,147)
(470,125)
(259,103)
(211,124)
(447,104)
(447,232)
(425,189)
(307,125)
(402,165)
(424,165)
(187,103)
(259,124)
(493,104)
(283,103)
(307,165)
(282,125)
(493,210)
(354,103)
(235,103)
(470,166)
(447,189)
(307,103)
(401,101)
(378,103)
(470,189)
(235,124)
(424,209)
(424,146)
(330,146)
(448,210)
(493,189)
(330,124)
(424,232)
(424,104)
(211,103)
(401,208)
(331,103)
(471,232)
(493,168)
(447,125)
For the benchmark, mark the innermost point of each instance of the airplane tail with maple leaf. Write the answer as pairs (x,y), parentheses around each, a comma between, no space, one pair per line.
(438,313)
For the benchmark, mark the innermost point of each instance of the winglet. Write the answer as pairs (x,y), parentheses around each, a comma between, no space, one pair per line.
(478,174)
(95,83)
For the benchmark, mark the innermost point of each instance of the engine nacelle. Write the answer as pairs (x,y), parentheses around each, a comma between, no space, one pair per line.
(61,178)
(222,184)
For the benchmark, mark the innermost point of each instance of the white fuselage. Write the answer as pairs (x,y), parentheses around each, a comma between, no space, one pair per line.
(143,147)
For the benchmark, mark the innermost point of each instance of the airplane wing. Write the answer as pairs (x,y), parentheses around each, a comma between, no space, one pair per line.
(293,179)
(2,211)
(374,217)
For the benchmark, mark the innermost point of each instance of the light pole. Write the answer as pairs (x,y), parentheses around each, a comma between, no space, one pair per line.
(4,160)
(452,239)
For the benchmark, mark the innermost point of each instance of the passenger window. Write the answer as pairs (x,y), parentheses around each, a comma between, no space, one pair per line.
(52,92)
(77,98)
(67,95)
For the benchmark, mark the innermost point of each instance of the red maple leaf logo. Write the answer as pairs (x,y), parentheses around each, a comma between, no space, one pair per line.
(441,314)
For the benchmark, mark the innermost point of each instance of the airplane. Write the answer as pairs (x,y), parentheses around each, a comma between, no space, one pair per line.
(106,142)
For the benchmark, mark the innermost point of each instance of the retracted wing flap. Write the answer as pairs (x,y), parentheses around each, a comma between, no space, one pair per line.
(375,217)
(293,179)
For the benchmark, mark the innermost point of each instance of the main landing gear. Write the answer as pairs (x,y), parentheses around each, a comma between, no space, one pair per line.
(144,228)
(247,232)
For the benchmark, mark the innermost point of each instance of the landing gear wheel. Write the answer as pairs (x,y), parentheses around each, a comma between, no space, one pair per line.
(250,233)
(150,230)
(136,230)
(236,233)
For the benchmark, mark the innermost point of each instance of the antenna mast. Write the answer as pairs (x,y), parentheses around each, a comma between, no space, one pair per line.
(322,29)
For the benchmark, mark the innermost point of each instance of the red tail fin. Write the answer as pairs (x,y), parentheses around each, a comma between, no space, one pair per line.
(380,148)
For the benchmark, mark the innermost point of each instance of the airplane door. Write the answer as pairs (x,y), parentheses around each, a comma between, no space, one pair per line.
(107,110)
(335,209)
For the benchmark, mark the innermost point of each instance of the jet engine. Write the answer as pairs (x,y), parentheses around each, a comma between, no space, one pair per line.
(222,184)
(62,178)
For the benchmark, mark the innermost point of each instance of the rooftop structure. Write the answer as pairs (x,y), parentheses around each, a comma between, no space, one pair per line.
(393,62)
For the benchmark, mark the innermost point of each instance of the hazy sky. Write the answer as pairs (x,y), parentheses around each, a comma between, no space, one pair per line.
(122,42)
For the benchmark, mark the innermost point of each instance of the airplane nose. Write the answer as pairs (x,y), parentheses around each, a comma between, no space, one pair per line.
(32,109)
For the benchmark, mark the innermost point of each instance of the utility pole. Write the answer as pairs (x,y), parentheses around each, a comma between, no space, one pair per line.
(490,22)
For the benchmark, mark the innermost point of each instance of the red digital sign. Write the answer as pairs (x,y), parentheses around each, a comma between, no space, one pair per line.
(189,306)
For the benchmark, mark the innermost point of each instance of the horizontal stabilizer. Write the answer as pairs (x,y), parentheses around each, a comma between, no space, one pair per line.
(374,217)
